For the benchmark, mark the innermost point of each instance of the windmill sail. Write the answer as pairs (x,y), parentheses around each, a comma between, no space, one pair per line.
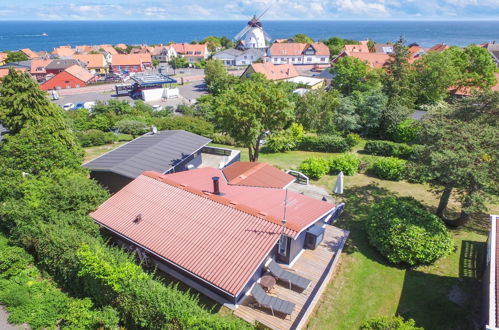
(252,35)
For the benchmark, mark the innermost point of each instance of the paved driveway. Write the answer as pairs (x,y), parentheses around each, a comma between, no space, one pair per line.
(4,325)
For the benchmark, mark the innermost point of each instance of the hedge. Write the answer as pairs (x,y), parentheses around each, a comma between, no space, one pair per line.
(403,231)
(30,298)
(94,137)
(325,143)
(390,323)
(194,125)
(314,167)
(346,163)
(389,168)
(47,215)
(389,149)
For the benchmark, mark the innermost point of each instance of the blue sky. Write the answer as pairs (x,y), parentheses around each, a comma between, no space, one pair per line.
(281,9)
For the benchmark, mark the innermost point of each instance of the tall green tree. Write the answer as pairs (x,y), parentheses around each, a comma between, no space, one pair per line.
(22,104)
(316,109)
(399,80)
(217,78)
(352,74)
(303,38)
(336,44)
(251,109)
(460,153)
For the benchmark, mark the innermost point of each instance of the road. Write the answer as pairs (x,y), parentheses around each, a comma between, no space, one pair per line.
(4,325)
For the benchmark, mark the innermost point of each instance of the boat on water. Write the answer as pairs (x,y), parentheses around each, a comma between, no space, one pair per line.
(44,34)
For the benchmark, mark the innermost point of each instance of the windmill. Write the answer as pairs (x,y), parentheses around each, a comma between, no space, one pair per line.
(253,36)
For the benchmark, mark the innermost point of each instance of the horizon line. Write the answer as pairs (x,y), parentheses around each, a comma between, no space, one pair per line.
(411,19)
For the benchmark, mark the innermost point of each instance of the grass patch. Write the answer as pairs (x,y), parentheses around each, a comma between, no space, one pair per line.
(94,152)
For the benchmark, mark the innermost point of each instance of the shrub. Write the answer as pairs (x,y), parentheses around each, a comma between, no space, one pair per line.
(406,131)
(390,323)
(314,167)
(133,127)
(285,140)
(224,139)
(389,149)
(403,231)
(353,139)
(346,163)
(324,143)
(389,168)
(94,137)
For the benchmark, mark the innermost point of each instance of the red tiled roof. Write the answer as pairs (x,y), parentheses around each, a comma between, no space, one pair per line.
(127,59)
(468,91)
(362,48)
(3,56)
(80,73)
(63,51)
(91,60)
(28,52)
(256,175)
(189,49)
(38,66)
(374,60)
(297,49)
(301,210)
(5,71)
(204,234)
(108,48)
(275,72)
(438,48)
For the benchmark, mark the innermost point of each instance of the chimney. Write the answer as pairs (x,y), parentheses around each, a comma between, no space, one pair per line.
(216,188)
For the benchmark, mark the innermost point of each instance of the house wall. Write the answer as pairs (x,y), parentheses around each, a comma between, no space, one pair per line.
(109,180)
(62,80)
(129,68)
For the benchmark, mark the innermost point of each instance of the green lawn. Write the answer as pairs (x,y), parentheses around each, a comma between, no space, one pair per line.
(445,295)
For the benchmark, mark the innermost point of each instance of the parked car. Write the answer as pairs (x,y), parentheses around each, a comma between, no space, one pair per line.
(89,105)
(79,106)
(68,106)
(157,107)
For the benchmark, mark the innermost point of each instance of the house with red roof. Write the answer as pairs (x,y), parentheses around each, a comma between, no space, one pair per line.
(3,57)
(163,53)
(271,71)
(374,60)
(215,233)
(127,63)
(298,53)
(438,48)
(95,63)
(28,52)
(38,68)
(191,52)
(72,77)
(63,51)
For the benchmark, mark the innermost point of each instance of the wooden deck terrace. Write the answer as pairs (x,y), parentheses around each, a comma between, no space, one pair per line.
(316,265)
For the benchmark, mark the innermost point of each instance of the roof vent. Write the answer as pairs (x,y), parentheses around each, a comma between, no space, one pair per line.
(138,218)
(154,130)
(216,186)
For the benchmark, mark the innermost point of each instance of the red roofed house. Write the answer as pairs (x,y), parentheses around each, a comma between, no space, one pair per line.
(214,235)
(192,53)
(38,68)
(130,62)
(63,51)
(374,60)
(438,48)
(362,48)
(468,91)
(28,52)
(271,71)
(96,63)
(73,77)
(298,53)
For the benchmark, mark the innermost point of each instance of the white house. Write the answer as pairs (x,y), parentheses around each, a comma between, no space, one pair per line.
(163,53)
(298,53)
(237,57)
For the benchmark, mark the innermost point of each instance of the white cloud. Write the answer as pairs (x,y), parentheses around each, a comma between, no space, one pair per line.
(360,7)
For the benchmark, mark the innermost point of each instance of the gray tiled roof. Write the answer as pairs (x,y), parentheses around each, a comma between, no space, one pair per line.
(61,64)
(150,152)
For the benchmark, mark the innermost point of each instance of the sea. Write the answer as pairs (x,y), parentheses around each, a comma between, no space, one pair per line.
(46,35)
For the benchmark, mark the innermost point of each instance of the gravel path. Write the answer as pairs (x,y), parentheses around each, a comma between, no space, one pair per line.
(4,325)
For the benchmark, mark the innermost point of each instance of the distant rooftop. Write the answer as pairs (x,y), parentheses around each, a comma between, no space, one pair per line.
(152,79)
